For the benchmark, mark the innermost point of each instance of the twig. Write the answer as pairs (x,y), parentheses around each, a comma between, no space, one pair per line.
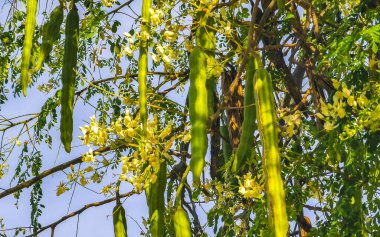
(48,172)
(79,211)
(120,7)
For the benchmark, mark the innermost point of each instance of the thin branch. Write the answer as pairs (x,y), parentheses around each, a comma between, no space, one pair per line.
(79,211)
(120,7)
(122,77)
(313,208)
(13,124)
(48,172)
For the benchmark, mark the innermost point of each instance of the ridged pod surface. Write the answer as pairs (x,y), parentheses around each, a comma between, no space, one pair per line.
(30,24)
(249,123)
(155,195)
(181,221)
(143,63)
(198,112)
(226,143)
(206,41)
(50,35)
(119,221)
(268,128)
(70,58)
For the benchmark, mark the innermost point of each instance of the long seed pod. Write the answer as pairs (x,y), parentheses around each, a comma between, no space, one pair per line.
(119,221)
(70,58)
(30,24)
(51,34)
(198,112)
(226,143)
(155,195)
(249,124)
(206,41)
(143,63)
(181,220)
(268,128)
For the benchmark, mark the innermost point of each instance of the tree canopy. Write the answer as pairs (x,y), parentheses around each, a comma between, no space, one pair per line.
(230,117)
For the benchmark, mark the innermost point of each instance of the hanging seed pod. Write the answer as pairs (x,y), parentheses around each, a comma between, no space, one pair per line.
(30,24)
(268,129)
(50,35)
(70,58)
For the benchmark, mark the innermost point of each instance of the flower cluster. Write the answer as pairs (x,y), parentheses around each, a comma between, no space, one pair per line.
(94,133)
(249,188)
(360,112)
(156,16)
(140,169)
(292,122)
(129,49)
(164,53)
(108,3)
(146,151)
(3,170)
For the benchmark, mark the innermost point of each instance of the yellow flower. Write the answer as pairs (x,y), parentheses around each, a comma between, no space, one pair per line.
(70,176)
(126,34)
(145,36)
(108,3)
(88,169)
(86,132)
(351,101)
(328,126)
(83,181)
(61,189)
(106,189)
(346,92)
(155,57)
(341,112)
(166,59)
(160,49)
(170,36)
(88,157)
(337,96)
(324,109)
(336,84)
(128,51)
(362,100)
(250,188)
(18,143)
(186,138)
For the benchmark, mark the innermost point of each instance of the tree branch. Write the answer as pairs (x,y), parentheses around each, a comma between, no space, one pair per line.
(48,172)
(79,211)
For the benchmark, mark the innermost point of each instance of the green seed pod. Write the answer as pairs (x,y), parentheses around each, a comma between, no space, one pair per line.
(143,64)
(206,41)
(268,128)
(181,221)
(198,112)
(226,144)
(281,4)
(119,221)
(30,24)
(249,124)
(51,34)
(70,58)
(155,195)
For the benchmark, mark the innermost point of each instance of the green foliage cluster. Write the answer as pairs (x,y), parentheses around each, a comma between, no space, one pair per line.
(171,88)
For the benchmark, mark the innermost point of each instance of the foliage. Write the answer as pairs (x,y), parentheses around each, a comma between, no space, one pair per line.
(172,74)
